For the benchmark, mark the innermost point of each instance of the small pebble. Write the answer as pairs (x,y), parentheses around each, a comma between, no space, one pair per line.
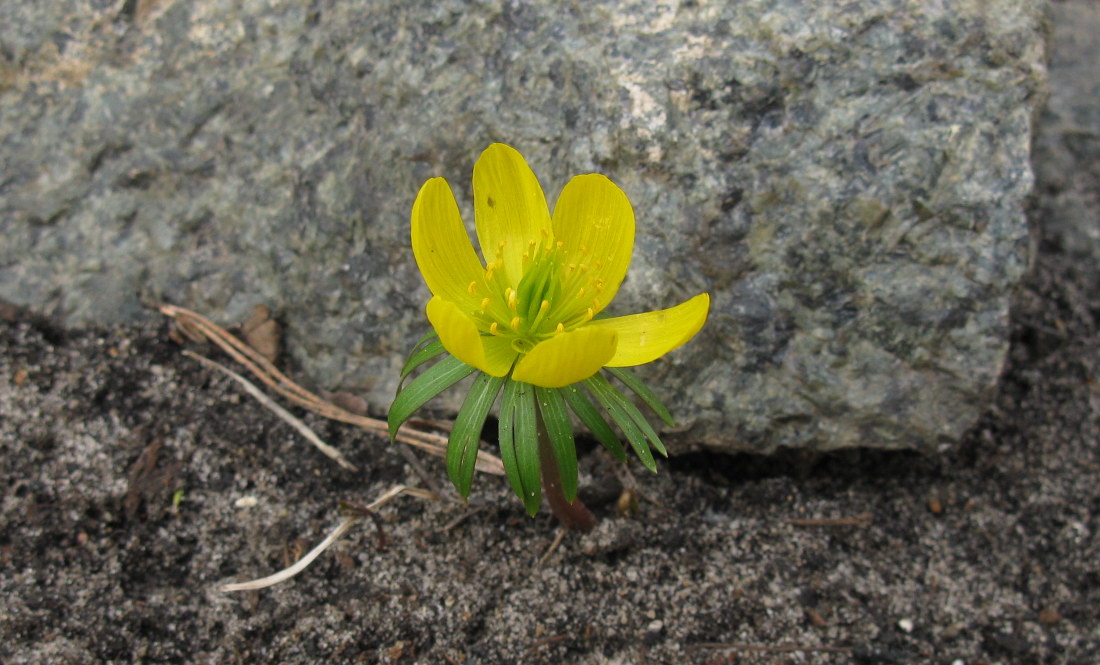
(906,625)
(246,502)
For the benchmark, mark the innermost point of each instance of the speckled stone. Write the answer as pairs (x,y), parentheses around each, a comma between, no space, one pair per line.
(846,179)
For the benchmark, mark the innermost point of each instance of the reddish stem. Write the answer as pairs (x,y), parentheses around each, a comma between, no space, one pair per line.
(574,516)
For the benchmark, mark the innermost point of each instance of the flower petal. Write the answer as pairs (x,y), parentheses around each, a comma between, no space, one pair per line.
(509,207)
(594,216)
(441,246)
(646,337)
(566,358)
(462,340)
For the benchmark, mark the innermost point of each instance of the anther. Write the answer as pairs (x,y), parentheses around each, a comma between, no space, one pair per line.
(580,292)
(560,328)
(493,328)
(514,323)
(489,273)
(545,305)
(472,288)
(589,314)
(584,268)
(560,244)
(511,298)
(485,305)
(599,264)
(596,303)
(572,267)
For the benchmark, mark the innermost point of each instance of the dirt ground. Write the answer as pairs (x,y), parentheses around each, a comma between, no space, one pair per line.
(135,481)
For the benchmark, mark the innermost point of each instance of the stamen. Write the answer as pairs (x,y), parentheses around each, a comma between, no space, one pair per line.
(599,265)
(580,293)
(560,328)
(545,305)
(584,268)
(489,272)
(514,323)
(571,267)
(493,328)
(589,314)
(485,305)
(596,303)
(511,298)
(472,288)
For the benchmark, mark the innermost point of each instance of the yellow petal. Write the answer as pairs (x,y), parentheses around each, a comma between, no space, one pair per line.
(566,358)
(646,337)
(509,207)
(441,246)
(595,224)
(462,340)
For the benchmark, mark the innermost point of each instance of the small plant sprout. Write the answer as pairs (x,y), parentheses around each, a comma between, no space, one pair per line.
(526,322)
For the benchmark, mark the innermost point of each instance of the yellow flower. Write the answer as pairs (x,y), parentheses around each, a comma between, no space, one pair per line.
(529,308)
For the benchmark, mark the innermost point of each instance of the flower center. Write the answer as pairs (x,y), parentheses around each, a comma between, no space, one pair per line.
(557,292)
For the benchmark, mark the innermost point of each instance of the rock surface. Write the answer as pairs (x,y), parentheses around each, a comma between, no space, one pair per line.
(846,179)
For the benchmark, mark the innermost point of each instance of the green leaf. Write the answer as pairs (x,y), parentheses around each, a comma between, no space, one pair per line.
(424,339)
(631,380)
(420,356)
(558,426)
(526,444)
(637,416)
(435,380)
(586,411)
(462,444)
(606,394)
(506,434)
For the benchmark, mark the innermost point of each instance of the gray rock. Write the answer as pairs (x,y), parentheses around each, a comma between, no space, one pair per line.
(1067,149)
(846,179)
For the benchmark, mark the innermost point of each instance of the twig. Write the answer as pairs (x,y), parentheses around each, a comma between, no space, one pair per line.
(266,401)
(863,519)
(303,563)
(553,547)
(198,327)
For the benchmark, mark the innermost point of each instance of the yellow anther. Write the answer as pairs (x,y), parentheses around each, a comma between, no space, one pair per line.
(599,264)
(572,267)
(514,323)
(472,288)
(559,329)
(596,303)
(580,293)
(526,256)
(484,304)
(560,244)
(512,298)
(500,246)
(493,328)
(543,306)
(589,314)
(489,273)
(584,268)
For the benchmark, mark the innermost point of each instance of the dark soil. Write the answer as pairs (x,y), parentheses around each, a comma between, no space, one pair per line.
(135,481)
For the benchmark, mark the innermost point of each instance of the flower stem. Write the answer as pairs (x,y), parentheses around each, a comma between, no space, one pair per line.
(574,516)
